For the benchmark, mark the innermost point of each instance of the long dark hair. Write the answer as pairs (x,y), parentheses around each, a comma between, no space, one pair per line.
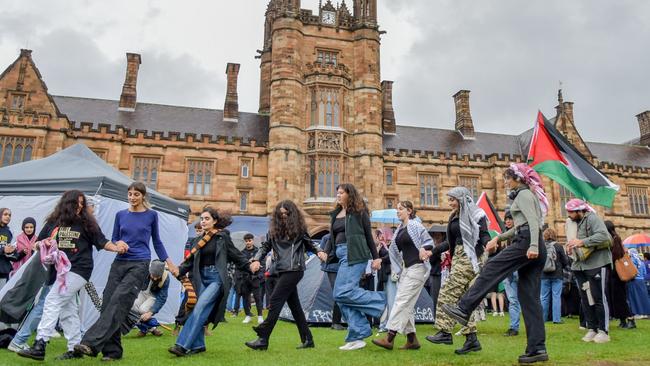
(617,243)
(289,227)
(223,219)
(355,202)
(2,212)
(65,212)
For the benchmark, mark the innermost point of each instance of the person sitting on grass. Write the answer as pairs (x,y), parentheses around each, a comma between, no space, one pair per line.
(152,299)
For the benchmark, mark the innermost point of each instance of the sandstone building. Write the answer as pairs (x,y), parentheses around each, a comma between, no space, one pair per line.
(325,116)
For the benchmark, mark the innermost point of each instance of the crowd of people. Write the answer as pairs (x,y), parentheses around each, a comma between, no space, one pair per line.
(376,276)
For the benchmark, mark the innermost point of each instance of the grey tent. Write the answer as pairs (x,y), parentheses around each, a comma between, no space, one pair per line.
(317,302)
(77,167)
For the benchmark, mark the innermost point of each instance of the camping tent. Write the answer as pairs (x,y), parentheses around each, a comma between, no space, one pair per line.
(316,298)
(33,188)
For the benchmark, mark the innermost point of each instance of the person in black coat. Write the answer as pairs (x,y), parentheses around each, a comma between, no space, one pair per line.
(289,240)
(208,262)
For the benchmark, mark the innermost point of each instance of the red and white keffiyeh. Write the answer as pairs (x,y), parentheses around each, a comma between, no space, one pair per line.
(530,177)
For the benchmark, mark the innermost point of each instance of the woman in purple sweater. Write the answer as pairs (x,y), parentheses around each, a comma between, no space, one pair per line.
(134,227)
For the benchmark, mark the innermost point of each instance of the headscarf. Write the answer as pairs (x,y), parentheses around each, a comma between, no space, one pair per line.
(29,220)
(468,217)
(576,204)
(530,177)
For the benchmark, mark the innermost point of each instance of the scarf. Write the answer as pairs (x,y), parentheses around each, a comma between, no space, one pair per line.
(468,217)
(530,177)
(23,243)
(576,204)
(204,240)
(51,255)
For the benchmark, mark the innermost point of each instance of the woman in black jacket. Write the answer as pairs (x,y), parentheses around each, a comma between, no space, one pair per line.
(208,264)
(289,240)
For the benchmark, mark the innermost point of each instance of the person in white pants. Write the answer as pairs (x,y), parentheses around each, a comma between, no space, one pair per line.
(409,258)
(76,233)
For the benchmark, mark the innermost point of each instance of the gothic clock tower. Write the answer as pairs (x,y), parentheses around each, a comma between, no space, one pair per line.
(321,86)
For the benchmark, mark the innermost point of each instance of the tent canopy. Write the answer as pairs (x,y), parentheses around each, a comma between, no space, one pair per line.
(77,167)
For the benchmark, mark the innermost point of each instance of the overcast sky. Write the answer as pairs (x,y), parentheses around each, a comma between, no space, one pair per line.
(511,54)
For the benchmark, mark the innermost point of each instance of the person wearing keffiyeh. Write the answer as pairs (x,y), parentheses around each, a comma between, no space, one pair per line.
(524,255)
(467,234)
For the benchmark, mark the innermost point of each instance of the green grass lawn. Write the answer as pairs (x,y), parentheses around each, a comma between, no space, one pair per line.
(226,347)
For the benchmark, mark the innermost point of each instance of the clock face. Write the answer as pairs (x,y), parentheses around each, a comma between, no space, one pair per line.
(328,17)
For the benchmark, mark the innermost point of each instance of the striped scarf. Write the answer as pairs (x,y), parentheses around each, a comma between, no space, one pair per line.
(187,284)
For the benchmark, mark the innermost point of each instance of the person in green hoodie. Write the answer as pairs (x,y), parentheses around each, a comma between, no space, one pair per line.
(353,244)
(593,255)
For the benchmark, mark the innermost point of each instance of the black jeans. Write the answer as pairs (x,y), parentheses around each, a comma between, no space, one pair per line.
(336,312)
(592,283)
(433,288)
(125,281)
(497,268)
(285,290)
(246,289)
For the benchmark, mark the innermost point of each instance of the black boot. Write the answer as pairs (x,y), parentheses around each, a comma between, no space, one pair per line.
(532,357)
(260,344)
(622,323)
(308,343)
(37,352)
(471,345)
(441,337)
(631,324)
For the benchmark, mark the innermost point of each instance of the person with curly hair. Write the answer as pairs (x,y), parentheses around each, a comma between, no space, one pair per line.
(289,241)
(208,264)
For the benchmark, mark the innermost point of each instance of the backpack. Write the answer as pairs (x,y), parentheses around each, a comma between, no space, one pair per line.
(551,257)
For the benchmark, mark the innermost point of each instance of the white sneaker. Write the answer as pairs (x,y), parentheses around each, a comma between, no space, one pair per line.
(260,319)
(502,314)
(56,334)
(601,337)
(13,347)
(589,337)
(247,319)
(351,346)
(494,314)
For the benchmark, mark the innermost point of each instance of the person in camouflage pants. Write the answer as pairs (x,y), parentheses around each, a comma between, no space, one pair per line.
(467,234)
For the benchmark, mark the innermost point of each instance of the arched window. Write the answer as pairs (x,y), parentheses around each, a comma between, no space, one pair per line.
(18,154)
(325,107)
(8,153)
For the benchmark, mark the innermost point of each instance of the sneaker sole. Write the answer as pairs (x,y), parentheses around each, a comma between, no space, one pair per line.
(31,357)
(460,320)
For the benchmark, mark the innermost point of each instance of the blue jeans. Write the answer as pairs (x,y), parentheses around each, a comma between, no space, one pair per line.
(552,286)
(514,309)
(192,336)
(30,323)
(144,327)
(390,288)
(355,303)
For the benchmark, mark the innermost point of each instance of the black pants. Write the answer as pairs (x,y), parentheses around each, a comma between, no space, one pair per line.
(245,289)
(285,290)
(592,284)
(497,268)
(433,288)
(336,312)
(125,281)
(617,297)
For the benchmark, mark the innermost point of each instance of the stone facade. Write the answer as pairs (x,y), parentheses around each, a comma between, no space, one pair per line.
(325,116)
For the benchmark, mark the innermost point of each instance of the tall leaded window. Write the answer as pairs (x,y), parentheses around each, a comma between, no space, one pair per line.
(15,149)
(390,173)
(429,190)
(470,183)
(243,200)
(325,107)
(638,200)
(246,168)
(146,170)
(565,196)
(324,176)
(199,177)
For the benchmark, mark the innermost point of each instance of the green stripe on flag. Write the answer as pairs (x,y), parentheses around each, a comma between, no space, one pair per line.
(554,169)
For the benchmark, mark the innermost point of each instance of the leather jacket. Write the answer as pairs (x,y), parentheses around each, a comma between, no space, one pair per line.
(288,255)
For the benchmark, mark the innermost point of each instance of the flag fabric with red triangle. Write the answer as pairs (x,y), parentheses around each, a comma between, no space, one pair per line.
(552,155)
(494,220)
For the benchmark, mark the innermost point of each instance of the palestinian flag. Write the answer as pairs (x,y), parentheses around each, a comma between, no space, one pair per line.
(552,155)
(495,224)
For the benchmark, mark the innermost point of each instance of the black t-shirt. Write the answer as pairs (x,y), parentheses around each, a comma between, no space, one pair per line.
(410,253)
(339,230)
(77,244)
(209,253)
(5,263)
